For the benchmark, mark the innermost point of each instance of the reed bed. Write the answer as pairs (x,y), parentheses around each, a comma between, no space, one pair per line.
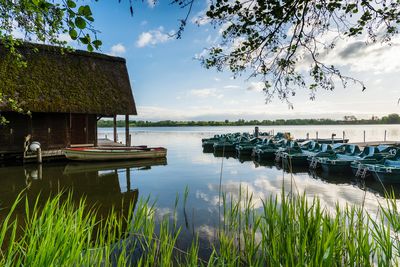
(287,231)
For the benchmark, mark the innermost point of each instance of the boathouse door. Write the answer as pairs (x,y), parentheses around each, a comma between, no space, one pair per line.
(78,129)
(83,129)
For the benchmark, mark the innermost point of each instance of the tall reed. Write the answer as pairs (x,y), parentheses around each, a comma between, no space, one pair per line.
(288,230)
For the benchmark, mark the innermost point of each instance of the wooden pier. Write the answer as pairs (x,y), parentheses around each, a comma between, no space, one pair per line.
(376,143)
(53,154)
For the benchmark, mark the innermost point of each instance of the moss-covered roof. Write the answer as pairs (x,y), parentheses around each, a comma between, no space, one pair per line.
(76,82)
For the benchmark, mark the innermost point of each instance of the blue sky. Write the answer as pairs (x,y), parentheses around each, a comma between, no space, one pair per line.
(169,83)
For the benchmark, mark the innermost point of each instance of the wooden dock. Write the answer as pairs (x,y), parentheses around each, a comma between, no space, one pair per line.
(47,155)
(376,143)
(54,154)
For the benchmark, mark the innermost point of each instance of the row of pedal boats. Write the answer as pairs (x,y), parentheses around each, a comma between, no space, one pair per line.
(381,162)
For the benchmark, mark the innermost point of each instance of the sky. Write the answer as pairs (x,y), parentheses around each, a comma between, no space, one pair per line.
(169,83)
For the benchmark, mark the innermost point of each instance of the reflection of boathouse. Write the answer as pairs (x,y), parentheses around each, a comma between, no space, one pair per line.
(66,93)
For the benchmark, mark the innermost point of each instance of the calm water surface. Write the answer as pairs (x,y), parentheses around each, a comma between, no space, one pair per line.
(108,183)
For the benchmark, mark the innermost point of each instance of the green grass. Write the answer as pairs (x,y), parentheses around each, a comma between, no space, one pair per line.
(287,231)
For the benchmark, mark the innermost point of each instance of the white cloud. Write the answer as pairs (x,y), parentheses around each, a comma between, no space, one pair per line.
(256,86)
(153,37)
(200,19)
(358,55)
(205,93)
(145,38)
(151,3)
(230,86)
(118,50)
(362,57)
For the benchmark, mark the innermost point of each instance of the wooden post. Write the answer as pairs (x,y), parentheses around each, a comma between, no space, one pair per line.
(343,136)
(128,180)
(130,140)
(39,155)
(333,138)
(364,136)
(86,128)
(70,129)
(256,131)
(308,136)
(316,136)
(67,131)
(95,133)
(115,129)
(40,172)
(384,139)
(127,130)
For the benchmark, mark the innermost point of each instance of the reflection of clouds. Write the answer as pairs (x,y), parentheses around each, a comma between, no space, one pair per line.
(163,213)
(206,232)
(264,187)
(203,159)
(212,199)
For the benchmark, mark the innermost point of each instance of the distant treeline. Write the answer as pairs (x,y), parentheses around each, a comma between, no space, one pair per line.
(389,119)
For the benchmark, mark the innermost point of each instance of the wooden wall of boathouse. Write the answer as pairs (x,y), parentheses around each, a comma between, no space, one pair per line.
(51,130)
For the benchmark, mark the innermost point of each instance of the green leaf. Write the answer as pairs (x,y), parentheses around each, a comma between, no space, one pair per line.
(84,40)
(97,43)
(71,4)
(80,23)
(85,11)
(73,34)
(90,48)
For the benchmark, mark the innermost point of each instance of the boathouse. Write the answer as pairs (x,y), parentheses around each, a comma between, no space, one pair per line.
(65,92)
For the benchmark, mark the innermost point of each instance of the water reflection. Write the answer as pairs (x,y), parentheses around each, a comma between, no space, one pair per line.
(104,186)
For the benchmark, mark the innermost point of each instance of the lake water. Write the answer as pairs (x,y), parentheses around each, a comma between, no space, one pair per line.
(187,166)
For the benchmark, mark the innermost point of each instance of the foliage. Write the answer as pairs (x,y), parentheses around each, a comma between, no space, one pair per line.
(44,21)
(390,119)
(287,230)
(276,40)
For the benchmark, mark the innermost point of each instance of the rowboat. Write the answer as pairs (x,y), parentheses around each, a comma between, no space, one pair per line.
(117,153)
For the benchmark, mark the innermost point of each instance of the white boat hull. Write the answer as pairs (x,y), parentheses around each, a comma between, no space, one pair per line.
(110,154)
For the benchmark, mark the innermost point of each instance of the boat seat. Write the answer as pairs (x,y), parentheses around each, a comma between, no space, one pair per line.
(369,152)
(392,163)
(317,147)
(312,145)
(294,144)
(339,147)
(352,150)
(345,157)
(326,148)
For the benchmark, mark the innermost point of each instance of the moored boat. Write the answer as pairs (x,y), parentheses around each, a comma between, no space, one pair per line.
(267,150)
(246,148)
(388,172)
(342,162)
(383,170)
(327,151)
(117,153)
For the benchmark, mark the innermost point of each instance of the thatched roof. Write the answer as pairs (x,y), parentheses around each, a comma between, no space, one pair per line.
(76,82)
